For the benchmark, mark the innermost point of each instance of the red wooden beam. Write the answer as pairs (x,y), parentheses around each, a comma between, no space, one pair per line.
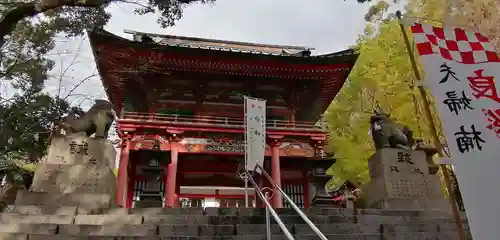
(117,53)
(131,125)
(214,181)
(207,166)
(216,196)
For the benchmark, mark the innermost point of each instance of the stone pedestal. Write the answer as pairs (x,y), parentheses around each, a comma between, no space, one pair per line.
(76,165)
(401,180)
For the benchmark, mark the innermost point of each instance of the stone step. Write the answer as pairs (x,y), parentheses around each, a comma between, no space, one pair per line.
(230,212)
(62,210)
(209,230)
(109,230)
(339,229)
(14,218)
(41,210)
(407,236)
(79,230)
(27,228)
(223,220)
(14,236)
(65,237)
(375,219)
(417,236)
(34,208)
(120,231)
(108,219)
(317,219)
(120,218)
(346,228)
(284,211)
(86,202)
(424,236)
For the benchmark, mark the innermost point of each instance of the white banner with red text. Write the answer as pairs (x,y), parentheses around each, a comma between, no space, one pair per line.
(255,132)
(461,71)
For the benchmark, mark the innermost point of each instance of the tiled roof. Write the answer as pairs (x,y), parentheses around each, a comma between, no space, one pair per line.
(220,45)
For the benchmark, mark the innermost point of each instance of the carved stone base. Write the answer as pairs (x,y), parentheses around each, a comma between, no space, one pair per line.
(77,164)
(377,197)
(65,178)
(401,180)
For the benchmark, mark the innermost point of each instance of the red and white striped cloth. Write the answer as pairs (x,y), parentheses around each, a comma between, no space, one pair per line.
(453,44)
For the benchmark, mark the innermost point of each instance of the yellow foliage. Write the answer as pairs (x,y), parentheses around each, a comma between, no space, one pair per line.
(383,77)
(30,167)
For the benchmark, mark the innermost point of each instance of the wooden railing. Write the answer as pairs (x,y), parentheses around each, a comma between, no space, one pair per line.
(215,121)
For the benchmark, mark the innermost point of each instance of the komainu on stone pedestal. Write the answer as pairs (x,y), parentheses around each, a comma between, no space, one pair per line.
(401,180)
(387,134)
(96,121)
(78,168)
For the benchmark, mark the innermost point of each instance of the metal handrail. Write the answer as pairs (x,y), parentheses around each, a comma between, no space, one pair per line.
(269,208)
(294,206)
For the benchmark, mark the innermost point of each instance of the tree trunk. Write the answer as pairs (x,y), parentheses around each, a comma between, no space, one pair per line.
(24,10)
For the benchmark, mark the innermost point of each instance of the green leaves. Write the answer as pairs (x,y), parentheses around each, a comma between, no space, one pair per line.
(382,77)
(26,123)
(169,10)
(12,164)
(74,21)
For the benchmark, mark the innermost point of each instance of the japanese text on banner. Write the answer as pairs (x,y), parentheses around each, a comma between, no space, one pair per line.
(462,69)
(255,131)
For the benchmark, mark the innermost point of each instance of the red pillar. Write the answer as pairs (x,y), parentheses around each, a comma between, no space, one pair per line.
(122,178)
(177,202)
(171,196)
(276,174)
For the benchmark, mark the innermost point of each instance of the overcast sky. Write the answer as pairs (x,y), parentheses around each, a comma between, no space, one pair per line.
(326,25)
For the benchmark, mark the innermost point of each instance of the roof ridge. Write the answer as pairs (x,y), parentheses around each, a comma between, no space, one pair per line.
(248,44)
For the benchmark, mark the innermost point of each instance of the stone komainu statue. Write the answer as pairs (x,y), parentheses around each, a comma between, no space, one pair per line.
(97,120)
(387,134)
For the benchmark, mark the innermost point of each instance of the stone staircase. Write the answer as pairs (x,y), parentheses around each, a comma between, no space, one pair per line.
(73,197)
(66,222)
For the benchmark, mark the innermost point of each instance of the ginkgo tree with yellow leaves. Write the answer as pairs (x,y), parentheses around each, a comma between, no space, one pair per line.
(382,78)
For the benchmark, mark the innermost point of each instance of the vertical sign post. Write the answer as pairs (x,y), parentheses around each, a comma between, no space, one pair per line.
(255,136)
(462,70)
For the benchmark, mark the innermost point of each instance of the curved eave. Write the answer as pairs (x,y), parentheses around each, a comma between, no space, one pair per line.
(101,37)
(118,57)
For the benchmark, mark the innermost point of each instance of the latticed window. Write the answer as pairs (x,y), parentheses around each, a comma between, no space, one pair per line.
(296,193)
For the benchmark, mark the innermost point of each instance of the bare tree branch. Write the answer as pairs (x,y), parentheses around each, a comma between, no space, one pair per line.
(80,83)
(64,71)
